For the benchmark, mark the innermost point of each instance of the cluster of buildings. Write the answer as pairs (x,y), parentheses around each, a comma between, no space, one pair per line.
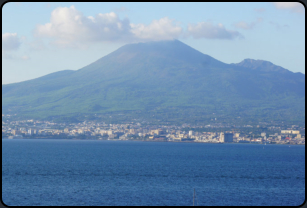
(136,131)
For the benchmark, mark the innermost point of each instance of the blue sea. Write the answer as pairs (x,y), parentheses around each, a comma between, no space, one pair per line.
(94,172)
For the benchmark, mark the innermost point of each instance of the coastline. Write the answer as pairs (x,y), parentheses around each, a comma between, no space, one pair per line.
(130,140)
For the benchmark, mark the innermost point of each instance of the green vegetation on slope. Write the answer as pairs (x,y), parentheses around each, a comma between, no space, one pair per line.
(164,80)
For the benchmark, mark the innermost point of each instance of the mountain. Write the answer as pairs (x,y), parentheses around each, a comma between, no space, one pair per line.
(168,80)
(262,66)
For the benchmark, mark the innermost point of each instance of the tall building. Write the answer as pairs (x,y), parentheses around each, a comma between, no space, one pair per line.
(228,137)
(222,137)
(16,132)
(31,131)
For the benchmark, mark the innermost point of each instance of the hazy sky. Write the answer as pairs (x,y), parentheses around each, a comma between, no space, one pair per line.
(41,38)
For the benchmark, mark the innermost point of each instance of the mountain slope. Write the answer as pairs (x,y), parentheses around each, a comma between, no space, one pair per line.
(157,77)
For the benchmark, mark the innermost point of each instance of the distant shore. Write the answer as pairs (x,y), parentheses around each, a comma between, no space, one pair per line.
(65,138)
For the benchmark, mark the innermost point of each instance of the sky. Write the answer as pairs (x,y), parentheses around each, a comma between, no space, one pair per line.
(41,38)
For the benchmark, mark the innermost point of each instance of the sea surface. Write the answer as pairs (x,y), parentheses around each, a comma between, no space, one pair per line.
(93,172)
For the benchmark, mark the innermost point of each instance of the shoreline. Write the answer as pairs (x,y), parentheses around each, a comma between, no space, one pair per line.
(55,138)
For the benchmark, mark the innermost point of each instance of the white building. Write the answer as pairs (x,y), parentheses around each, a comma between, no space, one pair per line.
(222,137)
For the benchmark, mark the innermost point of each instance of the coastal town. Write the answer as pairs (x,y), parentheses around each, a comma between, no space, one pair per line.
(24,129)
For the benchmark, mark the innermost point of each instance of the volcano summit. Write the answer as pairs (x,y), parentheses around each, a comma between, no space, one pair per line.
(166,80)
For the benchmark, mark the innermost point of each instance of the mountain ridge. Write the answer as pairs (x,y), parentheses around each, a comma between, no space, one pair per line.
(261,64)
(156,77)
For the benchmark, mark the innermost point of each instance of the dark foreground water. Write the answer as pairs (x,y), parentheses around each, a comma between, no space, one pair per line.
(75,172)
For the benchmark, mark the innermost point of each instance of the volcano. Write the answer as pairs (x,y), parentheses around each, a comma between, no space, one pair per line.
(166,79)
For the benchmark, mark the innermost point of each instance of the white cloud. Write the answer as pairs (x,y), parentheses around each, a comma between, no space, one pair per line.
(162,29)
(292,6)
(207,30)
(247,26)
(10,41)
(69,27)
